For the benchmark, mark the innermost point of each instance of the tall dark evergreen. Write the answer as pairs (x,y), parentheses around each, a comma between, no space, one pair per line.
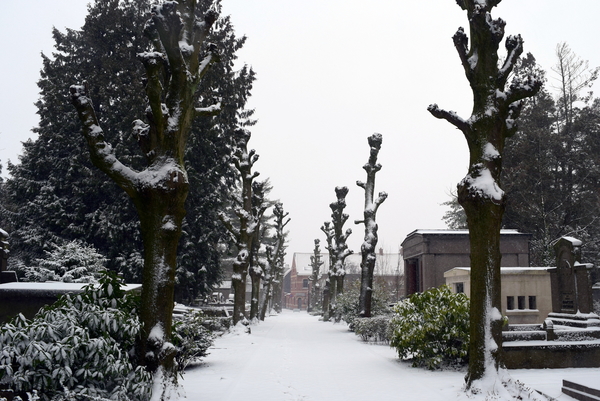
(58,196)
(552,169)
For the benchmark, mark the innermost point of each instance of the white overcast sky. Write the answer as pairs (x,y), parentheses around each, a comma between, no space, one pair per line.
(331,73)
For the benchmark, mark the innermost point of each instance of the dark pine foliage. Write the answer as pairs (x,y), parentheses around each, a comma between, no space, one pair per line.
(56,195)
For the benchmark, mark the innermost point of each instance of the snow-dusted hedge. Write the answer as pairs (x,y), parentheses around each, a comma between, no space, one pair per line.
(72,262)
(80,347)
(432,328)
(373,329)
(347,308)
(191,337)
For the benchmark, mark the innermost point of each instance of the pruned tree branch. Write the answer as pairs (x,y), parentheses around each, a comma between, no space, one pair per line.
(101,152)
(514,48)
(451,117)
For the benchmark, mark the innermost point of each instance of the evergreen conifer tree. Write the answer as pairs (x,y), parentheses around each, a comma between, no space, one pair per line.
(55,195)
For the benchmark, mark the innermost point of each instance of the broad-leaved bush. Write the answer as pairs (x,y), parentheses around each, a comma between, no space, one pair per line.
(81,347)
(347,304)
(373,329)
(191,337)
(432,328)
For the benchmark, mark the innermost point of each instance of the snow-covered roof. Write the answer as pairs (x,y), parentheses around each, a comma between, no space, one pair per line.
(573,241)
(55,286)
(503,270)
(455,232)
(385,262)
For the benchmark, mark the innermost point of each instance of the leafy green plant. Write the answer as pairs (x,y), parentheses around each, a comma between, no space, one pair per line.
(373,329)
(347,304)
(432,328)
(191,337)
(81,347)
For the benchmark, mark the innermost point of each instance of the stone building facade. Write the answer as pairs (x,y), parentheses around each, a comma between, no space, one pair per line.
(428,254)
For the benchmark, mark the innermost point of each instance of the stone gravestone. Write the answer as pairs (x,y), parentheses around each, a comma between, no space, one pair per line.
(5,276)
(571,284)
(3,250)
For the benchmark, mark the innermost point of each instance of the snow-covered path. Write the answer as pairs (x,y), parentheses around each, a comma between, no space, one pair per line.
(294,356)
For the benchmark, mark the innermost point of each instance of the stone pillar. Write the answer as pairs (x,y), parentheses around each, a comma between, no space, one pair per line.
(571,280)
(3,250)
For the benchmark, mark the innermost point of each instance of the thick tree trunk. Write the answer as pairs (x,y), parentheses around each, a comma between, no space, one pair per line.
(485,348)
(238,283)
(255,279)
(161,214)
(268,295)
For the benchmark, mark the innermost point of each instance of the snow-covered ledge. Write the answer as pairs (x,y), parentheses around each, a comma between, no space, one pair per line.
(28,298)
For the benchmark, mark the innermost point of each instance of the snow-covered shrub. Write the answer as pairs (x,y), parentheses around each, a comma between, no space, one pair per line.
(376,329)
(72,262)
(432,328)
(81,347)
(191,337)
(347,308)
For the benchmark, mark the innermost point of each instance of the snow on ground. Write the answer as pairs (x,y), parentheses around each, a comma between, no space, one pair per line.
(296,357)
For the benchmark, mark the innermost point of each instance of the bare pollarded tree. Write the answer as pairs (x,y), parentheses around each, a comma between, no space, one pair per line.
(496,107)
(315,264)
(242,233)
(174,71)
(259,207)
(372,203)
(273,261)
(330,283)
(337,272)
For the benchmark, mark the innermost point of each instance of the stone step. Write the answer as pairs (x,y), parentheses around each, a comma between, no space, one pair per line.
(580,392)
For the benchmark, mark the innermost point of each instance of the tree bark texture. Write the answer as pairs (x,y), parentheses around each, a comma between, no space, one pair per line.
(173,71)
(495,110)
(341,251)
(330,284)
(243,233)
(274,257)
(368,255)
(315,263)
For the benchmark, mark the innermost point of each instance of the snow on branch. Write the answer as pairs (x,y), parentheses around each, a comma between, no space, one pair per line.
(514,48)
(209,111)
(521,89)
(461,43)
(449,116)
(101,152)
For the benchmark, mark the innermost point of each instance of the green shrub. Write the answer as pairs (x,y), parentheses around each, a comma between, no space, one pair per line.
(373,329)
(432,328)
(80,347)
(83,346)
(191,337)
(347,308)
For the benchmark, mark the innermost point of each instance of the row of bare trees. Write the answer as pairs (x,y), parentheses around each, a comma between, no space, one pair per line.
(336,239)
(173,73)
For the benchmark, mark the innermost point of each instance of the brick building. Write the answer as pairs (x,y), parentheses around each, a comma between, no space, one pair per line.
(297,283)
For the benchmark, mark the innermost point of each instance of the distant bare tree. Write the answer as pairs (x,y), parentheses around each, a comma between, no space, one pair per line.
(273,266)
(315,264)
(341,251)
(369,244)
(242,233)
